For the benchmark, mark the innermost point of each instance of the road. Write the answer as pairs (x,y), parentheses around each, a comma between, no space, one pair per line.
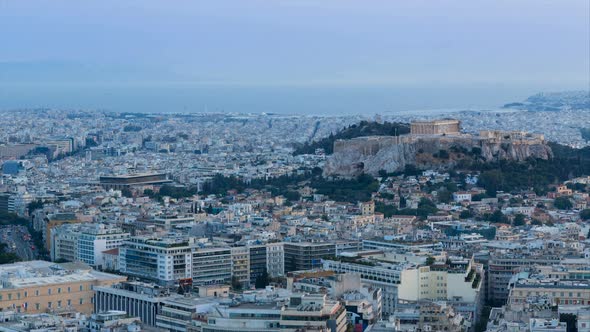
(18,240)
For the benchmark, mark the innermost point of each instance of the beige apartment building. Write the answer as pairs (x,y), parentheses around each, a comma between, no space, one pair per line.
(39,287)
(549,291)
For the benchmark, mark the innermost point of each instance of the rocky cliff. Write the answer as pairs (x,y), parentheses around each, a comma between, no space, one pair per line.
(371,154)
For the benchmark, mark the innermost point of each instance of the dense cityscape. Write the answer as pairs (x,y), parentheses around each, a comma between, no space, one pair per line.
(225,222)
(294,166)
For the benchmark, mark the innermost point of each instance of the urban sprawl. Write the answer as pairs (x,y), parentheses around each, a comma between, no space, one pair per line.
(222,222)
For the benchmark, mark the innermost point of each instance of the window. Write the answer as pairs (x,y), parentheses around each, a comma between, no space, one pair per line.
(37,306)
(26,294)
(59,304)
(37,292)
(59,291)
(49,304)
(10,296)
(69,303)
(18,296)
(49,291)
(69,289)
(81,288)
(81,301)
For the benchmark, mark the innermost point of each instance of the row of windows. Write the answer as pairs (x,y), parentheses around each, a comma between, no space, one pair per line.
(9,296)
(59,303)
(570,294)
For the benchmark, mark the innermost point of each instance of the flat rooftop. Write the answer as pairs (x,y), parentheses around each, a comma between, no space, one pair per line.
(132,176)
(40,273)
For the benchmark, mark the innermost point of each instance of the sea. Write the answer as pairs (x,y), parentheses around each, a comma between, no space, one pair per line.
(328,100)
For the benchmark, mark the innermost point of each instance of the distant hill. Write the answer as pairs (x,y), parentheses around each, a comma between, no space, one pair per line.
(554,101)
(364,128)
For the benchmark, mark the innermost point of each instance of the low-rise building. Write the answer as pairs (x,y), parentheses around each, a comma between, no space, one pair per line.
(39,286)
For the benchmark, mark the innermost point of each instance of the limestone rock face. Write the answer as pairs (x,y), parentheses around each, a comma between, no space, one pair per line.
(371,154)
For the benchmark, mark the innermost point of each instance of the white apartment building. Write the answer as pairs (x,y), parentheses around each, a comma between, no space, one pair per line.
(241,265)
(85,242)
(211,266)
(385,276)
(410,281)
(462,196)
(163,261)
(275,259)
(309,312)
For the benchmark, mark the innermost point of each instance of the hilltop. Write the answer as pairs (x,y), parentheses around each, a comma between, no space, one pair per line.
(364,128)
(432,145)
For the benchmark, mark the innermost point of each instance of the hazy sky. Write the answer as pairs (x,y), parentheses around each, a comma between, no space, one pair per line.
(296,41)
(537,44)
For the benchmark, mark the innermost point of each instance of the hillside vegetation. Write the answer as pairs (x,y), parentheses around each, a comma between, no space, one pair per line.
(364,128)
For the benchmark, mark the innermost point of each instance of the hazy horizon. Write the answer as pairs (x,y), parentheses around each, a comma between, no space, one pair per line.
(297,56)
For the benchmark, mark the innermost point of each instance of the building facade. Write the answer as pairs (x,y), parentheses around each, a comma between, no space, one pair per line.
(38,286)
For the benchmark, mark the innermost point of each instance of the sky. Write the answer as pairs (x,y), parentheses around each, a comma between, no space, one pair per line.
(51,49)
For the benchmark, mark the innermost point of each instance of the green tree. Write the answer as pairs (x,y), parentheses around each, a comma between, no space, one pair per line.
(262,280)
(563,203)
(491,181)
(585,214)
(316,171)
(292,195)
(126,192)
(443,154)
(38,204)
(364,128)
(235,283)
(430,260)
(425,208)
(444,196)
(498,217)
(519,220)
(7,257)
(465,214)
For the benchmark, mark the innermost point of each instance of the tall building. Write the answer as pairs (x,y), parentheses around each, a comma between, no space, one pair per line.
(459,281)
(53,220)
(306,255)
(18,203)
(172,260)
(4,198)
(406,278)
(257,262)
(241,266)
(164,261)
(211,266)
(275,259)
(85,242)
